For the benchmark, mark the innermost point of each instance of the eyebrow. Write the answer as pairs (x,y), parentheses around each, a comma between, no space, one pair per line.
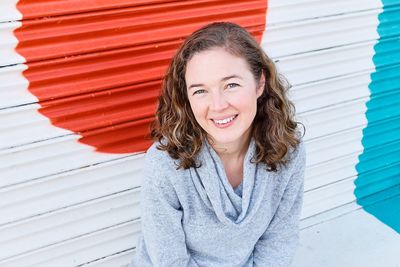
(223,79)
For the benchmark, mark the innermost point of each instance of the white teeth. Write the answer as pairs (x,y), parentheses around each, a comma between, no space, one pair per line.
(224,120)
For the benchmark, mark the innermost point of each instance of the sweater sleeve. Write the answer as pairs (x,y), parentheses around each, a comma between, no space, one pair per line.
(277,246)
(163,240)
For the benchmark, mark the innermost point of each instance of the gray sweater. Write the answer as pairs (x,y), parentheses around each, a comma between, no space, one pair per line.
(194,217)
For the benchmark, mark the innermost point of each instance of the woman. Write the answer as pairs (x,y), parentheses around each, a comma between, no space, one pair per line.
(223,183)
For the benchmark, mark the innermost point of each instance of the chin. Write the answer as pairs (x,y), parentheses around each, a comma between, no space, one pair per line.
(221,140)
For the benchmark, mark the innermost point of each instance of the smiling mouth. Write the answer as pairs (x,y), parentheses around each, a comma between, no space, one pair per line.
(225,121)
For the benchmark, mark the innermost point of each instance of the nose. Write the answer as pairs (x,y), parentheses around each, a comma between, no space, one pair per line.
(218,102)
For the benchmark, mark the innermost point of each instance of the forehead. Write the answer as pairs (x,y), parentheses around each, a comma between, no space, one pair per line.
(214,64)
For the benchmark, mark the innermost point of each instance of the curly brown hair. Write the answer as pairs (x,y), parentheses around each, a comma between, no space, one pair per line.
(273,129)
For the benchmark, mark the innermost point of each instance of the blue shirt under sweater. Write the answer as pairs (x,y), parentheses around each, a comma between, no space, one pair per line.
(194,217)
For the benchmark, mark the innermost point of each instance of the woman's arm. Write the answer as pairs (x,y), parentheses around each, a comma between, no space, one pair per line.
(277,246)
(163,237)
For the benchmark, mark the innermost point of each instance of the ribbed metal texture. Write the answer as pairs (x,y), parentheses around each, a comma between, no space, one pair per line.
(91,72)
(98,73)
(343,60)
(77,95)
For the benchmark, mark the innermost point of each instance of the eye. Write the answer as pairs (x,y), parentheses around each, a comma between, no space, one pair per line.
(232,85)
(198,92)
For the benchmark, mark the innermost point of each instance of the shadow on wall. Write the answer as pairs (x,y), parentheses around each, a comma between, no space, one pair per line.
(378,180)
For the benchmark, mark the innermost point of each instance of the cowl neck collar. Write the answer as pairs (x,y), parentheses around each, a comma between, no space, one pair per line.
(217,193)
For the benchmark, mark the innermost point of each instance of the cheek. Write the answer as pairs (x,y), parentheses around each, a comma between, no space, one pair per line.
(198,109)
(246,103)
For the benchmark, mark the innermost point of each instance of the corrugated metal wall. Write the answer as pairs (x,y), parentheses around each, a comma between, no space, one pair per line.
(78,92)
(78,82)
(326,49)
(343,60)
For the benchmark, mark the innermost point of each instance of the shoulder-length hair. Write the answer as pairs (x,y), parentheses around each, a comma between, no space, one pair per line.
(175,127)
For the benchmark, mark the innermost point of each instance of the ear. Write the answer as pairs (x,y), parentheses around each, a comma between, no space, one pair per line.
(261,85)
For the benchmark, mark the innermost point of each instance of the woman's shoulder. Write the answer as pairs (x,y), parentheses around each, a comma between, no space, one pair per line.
(154,152)
(160,175)
(300,150)
(156,158)
(296,155)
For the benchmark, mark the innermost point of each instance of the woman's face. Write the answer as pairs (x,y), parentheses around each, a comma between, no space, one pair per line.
(223,95)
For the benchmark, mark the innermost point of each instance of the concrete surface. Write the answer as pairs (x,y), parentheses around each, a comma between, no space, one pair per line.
(355,239)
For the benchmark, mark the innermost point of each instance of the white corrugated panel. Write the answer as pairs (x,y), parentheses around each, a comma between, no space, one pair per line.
(62,203)
(326,50)
(66,200)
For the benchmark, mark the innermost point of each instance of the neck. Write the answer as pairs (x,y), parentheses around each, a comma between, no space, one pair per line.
(232,151)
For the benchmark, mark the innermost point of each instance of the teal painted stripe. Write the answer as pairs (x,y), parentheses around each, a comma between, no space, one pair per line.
(378,180)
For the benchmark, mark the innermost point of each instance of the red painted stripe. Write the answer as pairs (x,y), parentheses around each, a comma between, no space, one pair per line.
(98,73)
(45,8)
